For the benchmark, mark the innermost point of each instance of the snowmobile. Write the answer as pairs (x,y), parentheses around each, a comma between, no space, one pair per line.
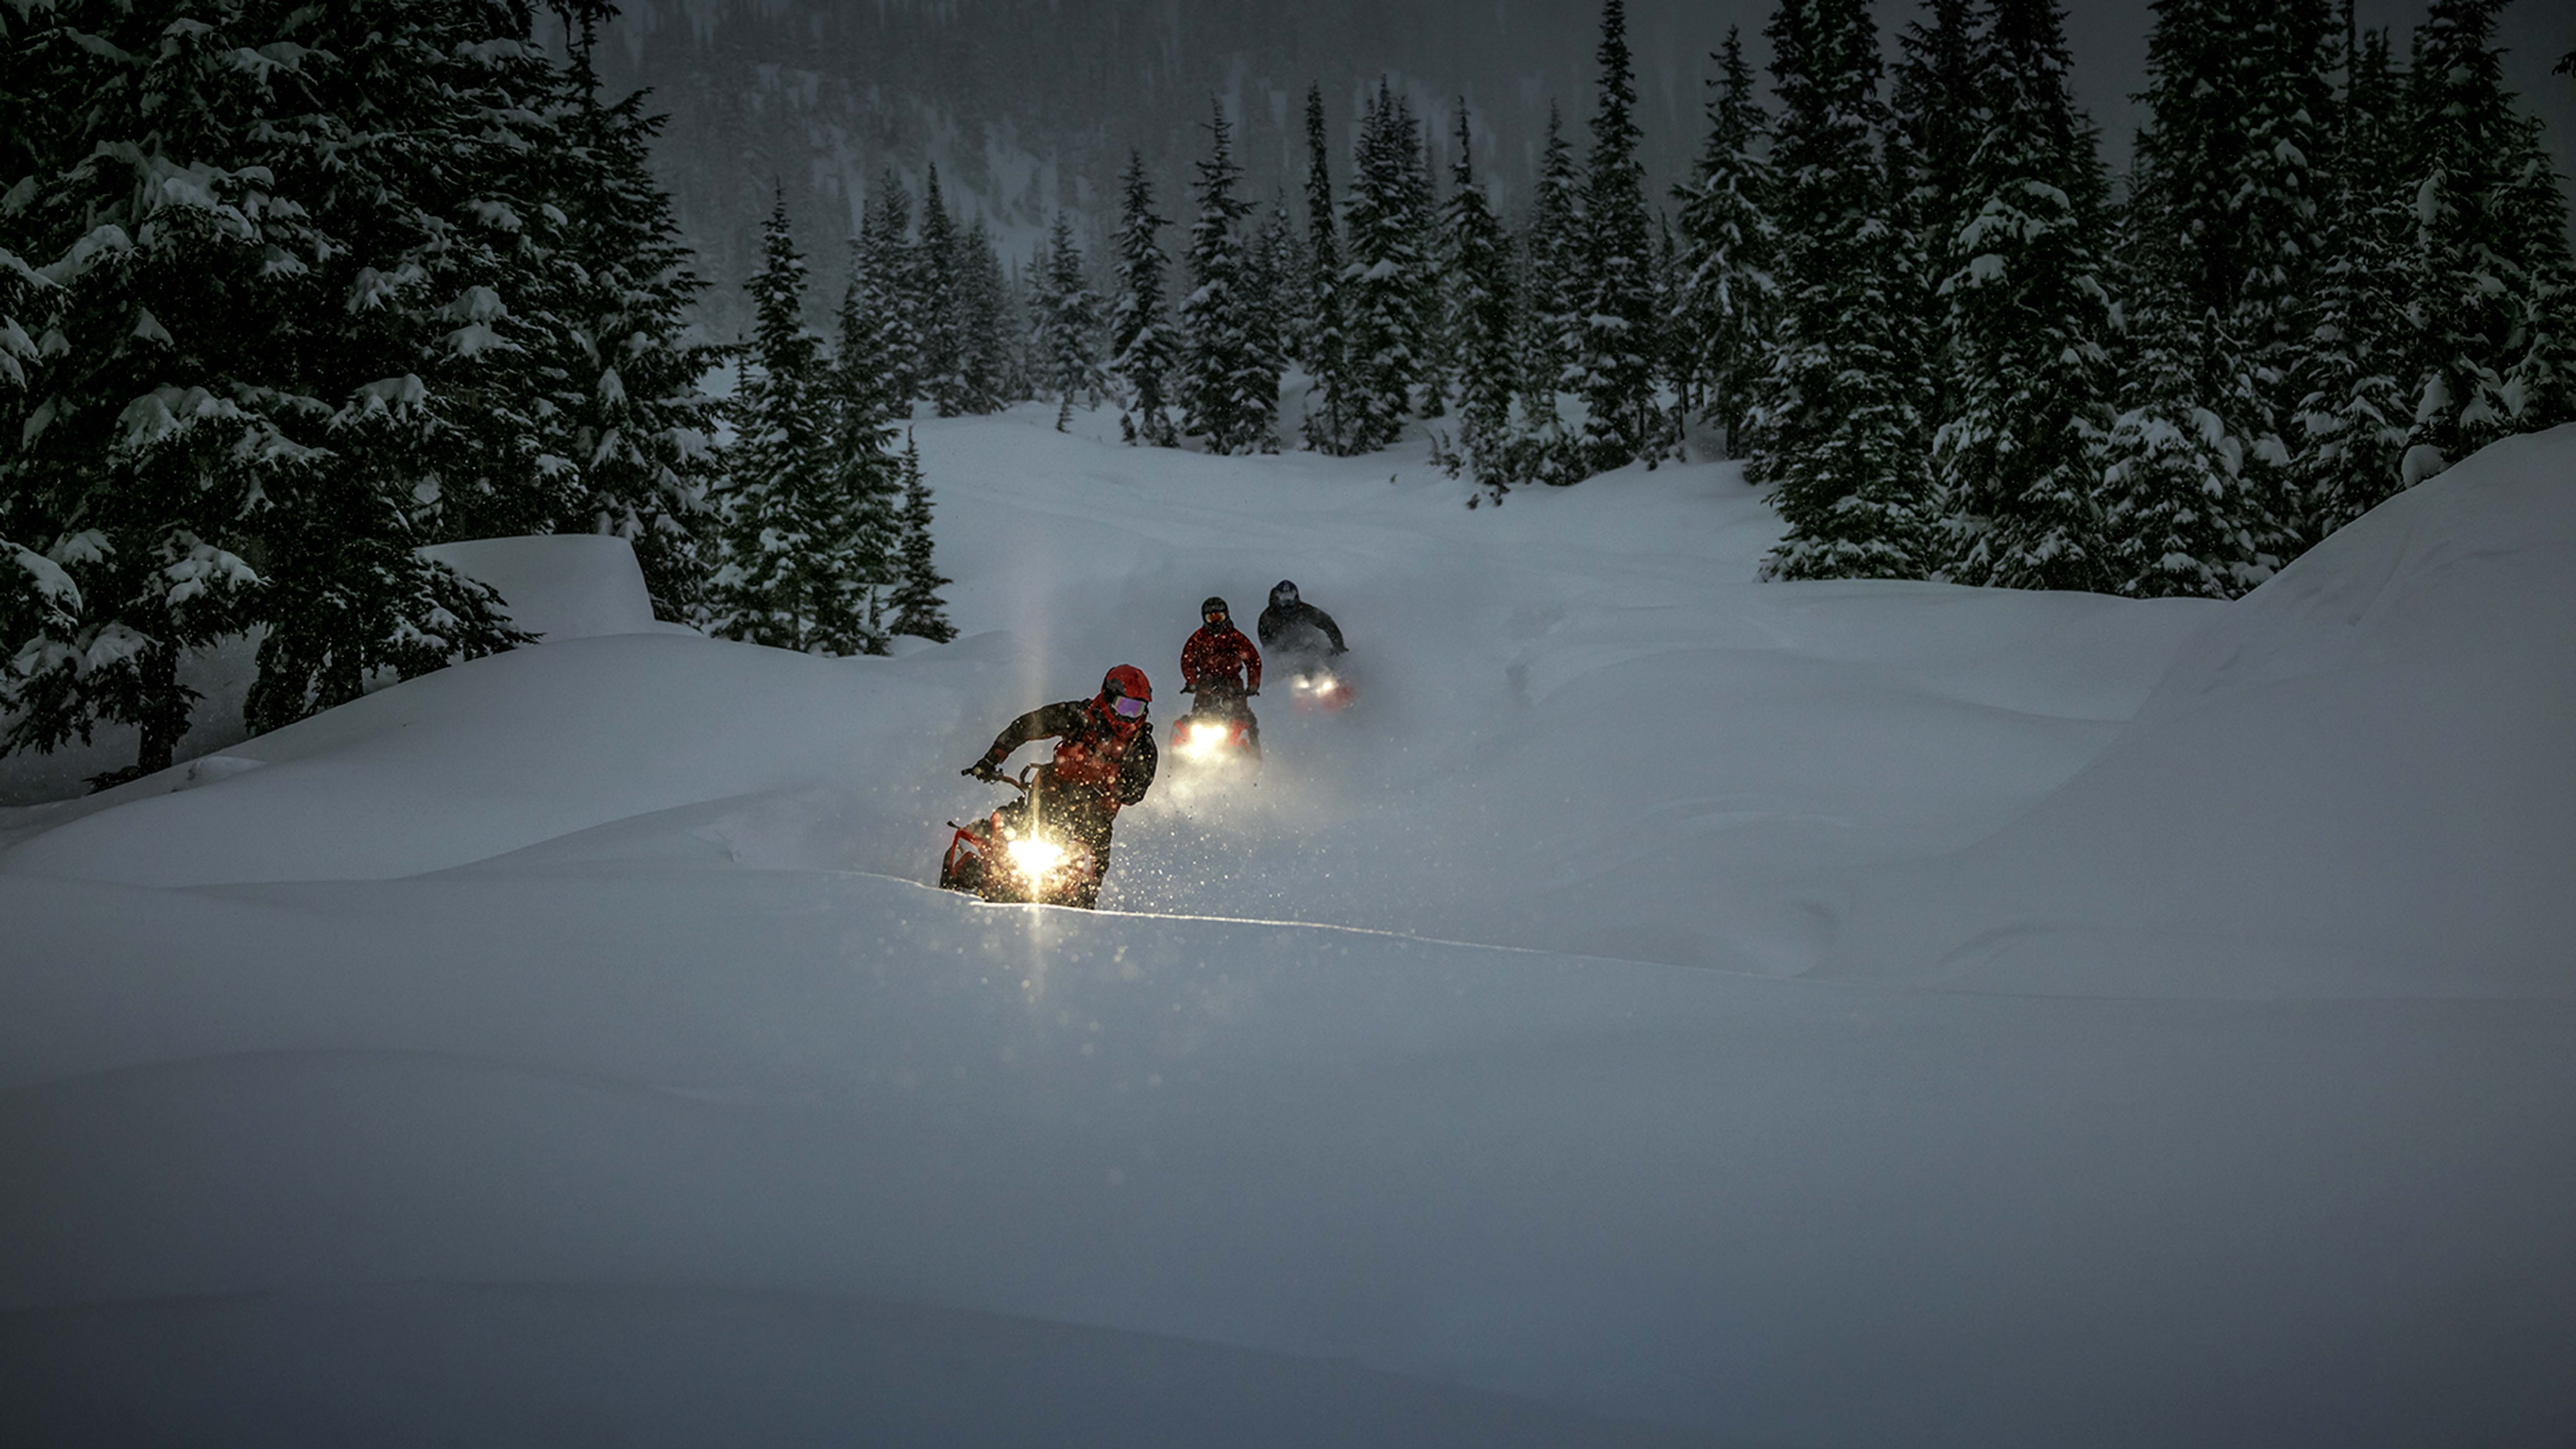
(1017,854)
(1319,684)
(1211,736)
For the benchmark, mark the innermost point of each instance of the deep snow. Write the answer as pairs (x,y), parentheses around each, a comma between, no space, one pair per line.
(1667,1009)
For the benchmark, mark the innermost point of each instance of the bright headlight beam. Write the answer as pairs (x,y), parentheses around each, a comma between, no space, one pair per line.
(1036,855)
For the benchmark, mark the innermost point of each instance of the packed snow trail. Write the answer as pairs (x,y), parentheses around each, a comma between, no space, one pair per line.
(584,1007)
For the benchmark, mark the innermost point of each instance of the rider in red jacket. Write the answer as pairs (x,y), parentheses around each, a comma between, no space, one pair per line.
(1104,759)
(1221,666)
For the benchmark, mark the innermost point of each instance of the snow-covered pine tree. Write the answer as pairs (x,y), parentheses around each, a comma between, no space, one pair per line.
(1615,362)
(1479,305)
(1840,437)
(1552,291)
(1725,292)
(1439,362)
(2223,200)
(1229,378)
(987,323)
(1274,263)
(1142,342)
(2494,302)
(2019,460)
(278,294)
(882,273)
(1382,281)
(939,303)
(2174,484)
(633,420)
(797,506)
(1068,323)
(2353,412)
(1936,103)
(1324,346)
(916,606)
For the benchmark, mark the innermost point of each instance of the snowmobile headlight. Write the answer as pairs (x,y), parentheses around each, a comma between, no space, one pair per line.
(1205,739)
(1036,857)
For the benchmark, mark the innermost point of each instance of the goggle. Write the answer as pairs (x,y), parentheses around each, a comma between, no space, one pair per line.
(1218,617)
(1127,707)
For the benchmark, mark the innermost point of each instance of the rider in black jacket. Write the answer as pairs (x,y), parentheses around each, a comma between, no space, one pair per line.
(1292,626)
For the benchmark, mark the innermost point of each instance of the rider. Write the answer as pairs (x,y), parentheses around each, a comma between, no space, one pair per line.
(1290,626)
(1214,665)
(1104,759)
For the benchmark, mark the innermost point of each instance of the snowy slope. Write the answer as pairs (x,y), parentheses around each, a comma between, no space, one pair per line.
(1667,1009)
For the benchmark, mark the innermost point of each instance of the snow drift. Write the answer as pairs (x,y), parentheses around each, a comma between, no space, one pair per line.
(1669,1010)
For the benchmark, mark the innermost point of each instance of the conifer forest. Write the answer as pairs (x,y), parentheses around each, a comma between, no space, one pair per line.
(287,292)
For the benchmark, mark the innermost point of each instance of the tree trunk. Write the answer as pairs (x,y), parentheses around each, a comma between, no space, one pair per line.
(163,718)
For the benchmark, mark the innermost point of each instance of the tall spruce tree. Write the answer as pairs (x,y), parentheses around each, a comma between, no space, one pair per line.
(2492,296)
(1068,323)
(1937,103)
(2354,411)
(882,272)
(289,311)
(1842,440)
(631,417)
(2020,458)
(1326,345)
(1141,338)
(802,503)
(1384,281)
(1725,293)
(1552,244)
(939,304)
(1230,378)
(917,608)
(1615,361)
(988,378)
(1479,306)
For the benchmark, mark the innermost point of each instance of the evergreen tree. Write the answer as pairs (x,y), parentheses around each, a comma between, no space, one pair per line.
(804,500)
(882,273)
(1479,307)
(1938,105)
(1422,204)
(1273,265)
(1615,361)
(939,305)
(1068,323)
(631,419)
(2174,484)
(2353,411)
(2493,301)
(1142,341)
(1230,379)
(988,356)
(1841,439)
(2019,460)
(1725,292)
(290,311)
(917,608)
(1328,395)
(1552,328)
(2224,195)
(1384,280)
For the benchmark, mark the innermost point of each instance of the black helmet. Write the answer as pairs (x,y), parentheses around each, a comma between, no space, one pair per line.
(1283,592)
(1216,606)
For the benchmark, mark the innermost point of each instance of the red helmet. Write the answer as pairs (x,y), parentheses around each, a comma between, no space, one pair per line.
(1126,682)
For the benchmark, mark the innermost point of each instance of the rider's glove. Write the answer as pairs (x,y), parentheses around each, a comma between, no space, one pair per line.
(1249,693)
(986,768)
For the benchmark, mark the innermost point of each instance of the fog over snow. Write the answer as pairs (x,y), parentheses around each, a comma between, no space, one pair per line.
(1665,1009)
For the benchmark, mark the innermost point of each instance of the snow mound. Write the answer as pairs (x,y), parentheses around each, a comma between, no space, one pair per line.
(2359,779)
(560,586)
